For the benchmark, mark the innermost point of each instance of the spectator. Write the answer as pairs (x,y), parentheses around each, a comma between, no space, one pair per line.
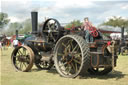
(15,43)
(1,47)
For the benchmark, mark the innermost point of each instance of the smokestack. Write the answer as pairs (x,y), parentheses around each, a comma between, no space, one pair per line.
(122,33)
(34,16)
(16,34)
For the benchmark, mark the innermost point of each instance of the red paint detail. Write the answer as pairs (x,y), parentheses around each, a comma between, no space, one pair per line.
(108,43)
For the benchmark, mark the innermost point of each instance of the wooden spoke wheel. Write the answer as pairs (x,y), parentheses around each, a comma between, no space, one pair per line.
(51,30)
(22,58)
(71,56)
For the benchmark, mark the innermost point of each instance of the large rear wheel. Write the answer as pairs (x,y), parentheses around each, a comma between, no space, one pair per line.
(71,56)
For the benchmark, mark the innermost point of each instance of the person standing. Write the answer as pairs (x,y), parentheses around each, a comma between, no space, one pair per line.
(15,43)
(1,48)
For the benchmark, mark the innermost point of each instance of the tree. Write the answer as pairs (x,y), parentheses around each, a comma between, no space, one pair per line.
(116,22)
(74,23)
(3,20)
(27,27)
(13,27)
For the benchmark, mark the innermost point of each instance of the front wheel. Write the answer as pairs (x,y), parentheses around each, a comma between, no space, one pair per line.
(22,58)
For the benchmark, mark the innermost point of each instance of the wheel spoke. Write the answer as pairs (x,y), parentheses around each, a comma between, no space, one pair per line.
(49,27)
(63,44)
(60,54)
(24,64)
(63,64)
(75,48)
(74,69)
(69,49)
(71,45)
(68,69)
(24,51)
(76,61)
(53,25)
(27,59)
(21,66)
(17,62)
(52,37)
(20,52)
(68,43)
(45,30)
(77,55)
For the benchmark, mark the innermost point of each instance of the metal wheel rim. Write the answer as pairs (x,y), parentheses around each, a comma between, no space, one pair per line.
(69,63)
(22,58)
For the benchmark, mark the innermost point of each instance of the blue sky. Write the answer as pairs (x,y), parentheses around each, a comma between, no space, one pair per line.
(65,11)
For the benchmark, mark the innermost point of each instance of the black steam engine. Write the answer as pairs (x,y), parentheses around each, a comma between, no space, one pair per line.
(66,49)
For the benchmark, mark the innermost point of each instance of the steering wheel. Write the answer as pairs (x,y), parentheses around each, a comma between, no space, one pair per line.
(94,33)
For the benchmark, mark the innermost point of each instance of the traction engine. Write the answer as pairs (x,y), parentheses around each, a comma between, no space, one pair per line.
(67,50)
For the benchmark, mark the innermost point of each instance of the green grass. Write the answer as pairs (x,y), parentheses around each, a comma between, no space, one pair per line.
(42,77)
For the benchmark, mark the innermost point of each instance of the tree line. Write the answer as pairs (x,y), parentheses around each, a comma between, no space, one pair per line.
(25,26)
(9,28)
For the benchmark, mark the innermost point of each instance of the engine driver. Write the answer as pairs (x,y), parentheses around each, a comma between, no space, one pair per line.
(86,26)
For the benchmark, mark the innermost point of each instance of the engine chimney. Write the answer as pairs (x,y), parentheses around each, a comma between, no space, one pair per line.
(16,34)
(34,16)
(122,33)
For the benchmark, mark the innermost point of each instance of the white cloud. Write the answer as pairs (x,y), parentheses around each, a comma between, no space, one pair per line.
(0,6)
(73,3)
(7,5)
(63,10)
(16,19)
(125,7)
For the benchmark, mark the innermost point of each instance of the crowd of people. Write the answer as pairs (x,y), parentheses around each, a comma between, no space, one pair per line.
(4,46)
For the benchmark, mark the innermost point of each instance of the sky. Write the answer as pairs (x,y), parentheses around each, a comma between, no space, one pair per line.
(65,11)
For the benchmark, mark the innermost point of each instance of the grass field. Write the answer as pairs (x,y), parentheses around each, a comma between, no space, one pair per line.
(42,77)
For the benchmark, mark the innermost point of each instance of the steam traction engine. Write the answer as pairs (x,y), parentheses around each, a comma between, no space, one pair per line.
(66,49)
